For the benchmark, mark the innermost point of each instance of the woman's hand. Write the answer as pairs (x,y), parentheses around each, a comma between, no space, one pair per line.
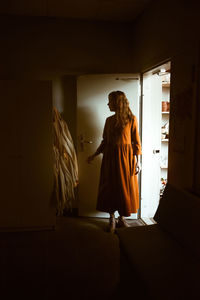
(90,158)
(137,168)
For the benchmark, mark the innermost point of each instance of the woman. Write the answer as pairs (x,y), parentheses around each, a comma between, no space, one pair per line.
(118,187)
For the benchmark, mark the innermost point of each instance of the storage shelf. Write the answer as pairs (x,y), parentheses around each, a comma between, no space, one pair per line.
(165,112)
(166,84)
(165,115)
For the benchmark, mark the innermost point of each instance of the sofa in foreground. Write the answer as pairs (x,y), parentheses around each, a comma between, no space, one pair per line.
(162,261)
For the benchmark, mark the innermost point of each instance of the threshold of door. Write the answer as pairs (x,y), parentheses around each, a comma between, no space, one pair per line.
(148,221)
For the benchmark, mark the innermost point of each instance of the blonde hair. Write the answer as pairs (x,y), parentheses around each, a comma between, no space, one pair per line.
(121,106)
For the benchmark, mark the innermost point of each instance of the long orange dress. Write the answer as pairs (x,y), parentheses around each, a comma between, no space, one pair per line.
(118,186)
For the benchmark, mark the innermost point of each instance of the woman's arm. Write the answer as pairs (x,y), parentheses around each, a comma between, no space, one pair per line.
(137,151)
(97,152)
(90,158)
(137,166)
(101,147)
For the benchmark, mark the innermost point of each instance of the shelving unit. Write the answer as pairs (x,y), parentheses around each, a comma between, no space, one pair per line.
(164,141)
(165,112)
(167,84)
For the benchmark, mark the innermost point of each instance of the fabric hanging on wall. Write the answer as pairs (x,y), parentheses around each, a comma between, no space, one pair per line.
(65,165)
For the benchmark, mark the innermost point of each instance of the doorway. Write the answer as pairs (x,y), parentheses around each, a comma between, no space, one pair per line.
(92,110)
(155,137)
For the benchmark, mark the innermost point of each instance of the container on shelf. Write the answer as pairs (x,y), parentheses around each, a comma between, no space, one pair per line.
(164,105)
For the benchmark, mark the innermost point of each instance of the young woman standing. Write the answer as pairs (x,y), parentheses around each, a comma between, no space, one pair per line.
(118,186)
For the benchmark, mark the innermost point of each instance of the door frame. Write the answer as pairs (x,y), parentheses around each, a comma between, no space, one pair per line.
(141,108)
(118,76)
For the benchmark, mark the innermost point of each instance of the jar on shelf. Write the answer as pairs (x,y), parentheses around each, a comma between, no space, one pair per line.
(164,106)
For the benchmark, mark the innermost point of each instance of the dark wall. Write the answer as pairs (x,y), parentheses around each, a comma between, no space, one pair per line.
(170,31)
(26,155)
(45,47)
(163,31)
(59,50)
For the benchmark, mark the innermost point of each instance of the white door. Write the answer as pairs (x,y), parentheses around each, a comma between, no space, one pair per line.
(151,144)
(92,110)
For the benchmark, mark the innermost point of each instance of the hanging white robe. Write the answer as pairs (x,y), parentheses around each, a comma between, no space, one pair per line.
(65,165)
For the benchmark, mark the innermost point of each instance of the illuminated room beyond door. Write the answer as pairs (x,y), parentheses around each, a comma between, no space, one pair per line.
(92,111)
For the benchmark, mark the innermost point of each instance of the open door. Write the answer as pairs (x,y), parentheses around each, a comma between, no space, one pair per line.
(92,111)
(151,144)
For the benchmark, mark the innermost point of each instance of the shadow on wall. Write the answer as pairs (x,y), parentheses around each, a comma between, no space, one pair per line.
(58,94)
(65,100)
(91,131)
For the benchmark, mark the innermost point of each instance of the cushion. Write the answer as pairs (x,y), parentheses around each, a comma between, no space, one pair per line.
(178,214)
(167,271)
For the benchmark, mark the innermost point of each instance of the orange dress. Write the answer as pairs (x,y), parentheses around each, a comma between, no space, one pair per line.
(118,186)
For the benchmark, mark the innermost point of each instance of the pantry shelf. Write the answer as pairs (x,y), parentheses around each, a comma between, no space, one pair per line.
(165,112)
(167,84)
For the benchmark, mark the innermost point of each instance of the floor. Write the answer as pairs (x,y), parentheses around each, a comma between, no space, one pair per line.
(79,258)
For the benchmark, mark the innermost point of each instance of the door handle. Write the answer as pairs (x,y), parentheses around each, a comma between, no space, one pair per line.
(156,151)
(83,141)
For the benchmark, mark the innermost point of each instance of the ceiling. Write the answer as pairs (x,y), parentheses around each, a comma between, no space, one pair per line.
(93,10)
